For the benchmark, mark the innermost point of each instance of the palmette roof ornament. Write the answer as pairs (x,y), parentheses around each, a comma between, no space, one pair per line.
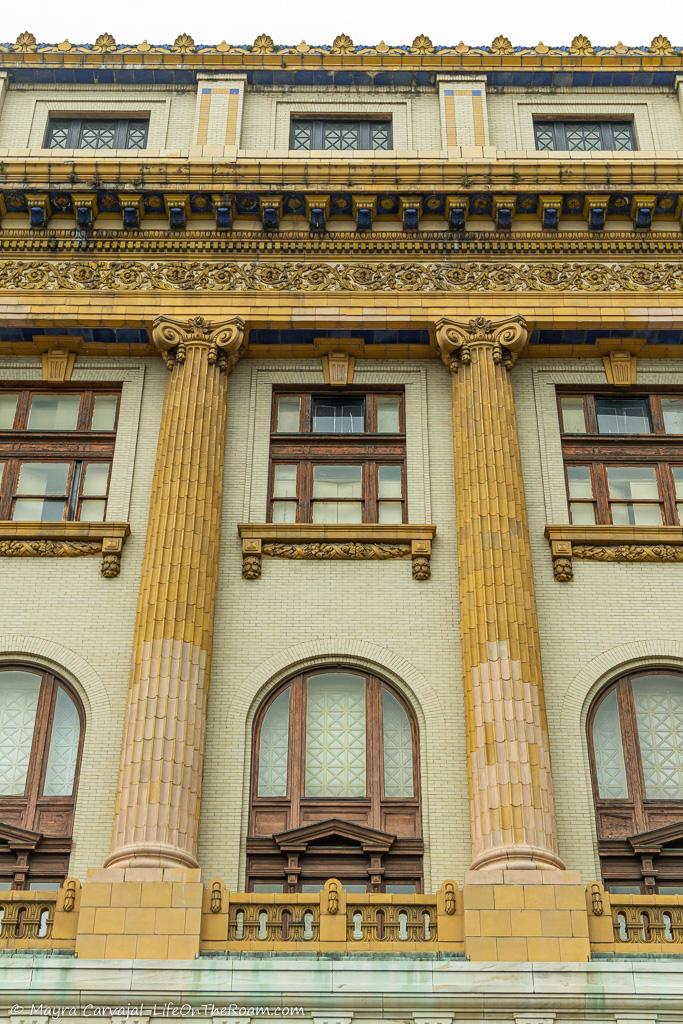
(581,49)
(184,44)
(660,44)
(105,43)
(422,44)
(26,42)
(263,44)
(581,46)
(502,45)
(343,44)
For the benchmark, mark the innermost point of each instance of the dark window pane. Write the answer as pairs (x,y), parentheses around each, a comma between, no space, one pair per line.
(333,415)
(340,134)
(623,415)
(584,136)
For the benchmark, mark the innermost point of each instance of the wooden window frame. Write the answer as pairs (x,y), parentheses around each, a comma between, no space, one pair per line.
(307,448)
(77,447)
(32,806)
(658,450)
(606,125)
(638,812)
(300,808)
(364,126)
(75,130)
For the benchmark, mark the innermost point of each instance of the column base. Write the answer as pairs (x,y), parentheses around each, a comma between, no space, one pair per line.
(150,855)
(140,913)
(517,858)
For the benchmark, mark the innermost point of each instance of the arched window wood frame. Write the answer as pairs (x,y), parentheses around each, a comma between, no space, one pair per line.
(635,743)
(39,784)
(370,839)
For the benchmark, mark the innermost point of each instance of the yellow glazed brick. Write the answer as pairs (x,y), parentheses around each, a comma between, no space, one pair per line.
(570,897)
(472,922)
(539,897)
(479,897)
(140,920)
(574,950)
(187,894)
(120,947)
(495,922)
(91,947)
(557,923)
(96,894)
(152,947)
(508,897)
(526,922)
(543,950)
(183,947)
(478,948)
(170,921)
(512,949)
(156,894)
(109,920)
(125,894)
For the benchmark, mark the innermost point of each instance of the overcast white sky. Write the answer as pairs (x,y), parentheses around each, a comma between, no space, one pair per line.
(366,21)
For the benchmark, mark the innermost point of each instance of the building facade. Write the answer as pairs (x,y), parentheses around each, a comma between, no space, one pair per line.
(341,531)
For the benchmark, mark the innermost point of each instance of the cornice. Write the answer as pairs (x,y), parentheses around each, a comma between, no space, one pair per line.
(422,53)
(486,171)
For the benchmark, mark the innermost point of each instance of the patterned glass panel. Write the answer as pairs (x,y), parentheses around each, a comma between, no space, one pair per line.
(63,755)
(658,700)
(622,136)
(59,135)
(341,136)
(98,135)
(137,136)
(545,136)
(583,136)
(301,138)
(335,735)
(609,751)
(398,748)
(19,692)
(274,748)
(8,408)
(380,136)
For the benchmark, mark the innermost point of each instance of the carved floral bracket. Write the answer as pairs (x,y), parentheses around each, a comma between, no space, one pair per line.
(612,544)
(317,542)
(66,540)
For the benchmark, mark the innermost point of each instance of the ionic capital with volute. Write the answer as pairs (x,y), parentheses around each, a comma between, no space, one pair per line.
(505,338)
(222,339)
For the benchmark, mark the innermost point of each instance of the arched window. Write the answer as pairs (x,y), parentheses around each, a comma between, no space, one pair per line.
(635,735)
(335,787)
(41,734)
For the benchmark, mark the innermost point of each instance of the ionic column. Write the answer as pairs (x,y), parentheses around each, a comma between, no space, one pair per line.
(511,797)
(157,807)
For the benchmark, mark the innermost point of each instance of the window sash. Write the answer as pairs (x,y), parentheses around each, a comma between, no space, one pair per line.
(657,450)
(318,133)
(305,500)
(611,135)
(71,132)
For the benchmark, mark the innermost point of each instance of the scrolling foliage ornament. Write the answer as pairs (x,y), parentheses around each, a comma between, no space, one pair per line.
(223,340)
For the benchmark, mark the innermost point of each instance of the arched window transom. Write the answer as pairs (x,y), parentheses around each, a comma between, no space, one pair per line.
(635,730)
(334,743)
(41,732)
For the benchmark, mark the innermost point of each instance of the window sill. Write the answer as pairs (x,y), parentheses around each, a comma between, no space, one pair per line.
(612,544)
(65,540)
(346,542)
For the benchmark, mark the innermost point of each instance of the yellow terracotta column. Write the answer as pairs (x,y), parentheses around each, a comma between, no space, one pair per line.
(511,797)
(157,808)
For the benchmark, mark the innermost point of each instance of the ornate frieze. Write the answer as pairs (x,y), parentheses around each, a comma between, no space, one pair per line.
(66,540)
(248,276)
(612,544)
(348,543)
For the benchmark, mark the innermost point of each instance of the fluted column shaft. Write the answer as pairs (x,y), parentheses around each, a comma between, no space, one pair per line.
(159,790)
(511,796)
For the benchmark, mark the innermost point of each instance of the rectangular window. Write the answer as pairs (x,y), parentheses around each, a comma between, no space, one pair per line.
(584,135)
(339,133)
(96,133)
(623,458)
(337,457)
(55,454)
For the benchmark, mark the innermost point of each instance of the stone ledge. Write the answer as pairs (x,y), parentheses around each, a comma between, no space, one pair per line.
(341,541)
(612,544)
(65,540)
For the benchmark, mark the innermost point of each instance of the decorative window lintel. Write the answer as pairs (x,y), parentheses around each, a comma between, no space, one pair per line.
(65,540)
(612,544)
(343,541)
